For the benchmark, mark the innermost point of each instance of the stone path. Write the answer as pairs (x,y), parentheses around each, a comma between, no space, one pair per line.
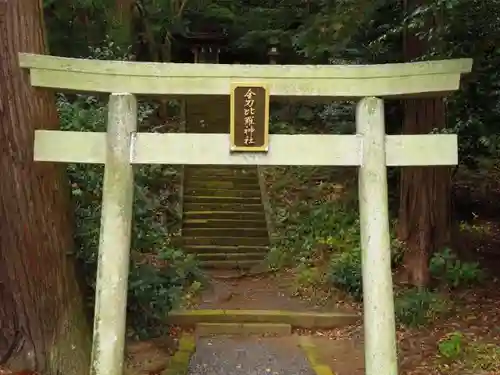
(248,356)
(259,313)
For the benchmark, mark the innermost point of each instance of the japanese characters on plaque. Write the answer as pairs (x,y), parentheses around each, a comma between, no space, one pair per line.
(249,117)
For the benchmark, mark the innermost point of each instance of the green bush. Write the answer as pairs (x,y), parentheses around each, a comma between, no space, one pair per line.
(327,231)
(158,271)
(345,267)
(451,346)
(445,266)
(345,272)
(415,307)
(470,355)
(311,227)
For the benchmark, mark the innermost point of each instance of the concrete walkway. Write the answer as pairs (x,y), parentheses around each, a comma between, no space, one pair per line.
(249,356)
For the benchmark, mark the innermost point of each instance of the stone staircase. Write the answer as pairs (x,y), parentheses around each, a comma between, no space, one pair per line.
(224,222)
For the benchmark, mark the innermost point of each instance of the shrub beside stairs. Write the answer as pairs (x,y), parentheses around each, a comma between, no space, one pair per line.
(224,222)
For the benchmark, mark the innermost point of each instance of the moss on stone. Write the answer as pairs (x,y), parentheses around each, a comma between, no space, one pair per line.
(179,362)
(322,370)
(180,357)
(243,329)
(187,344)
(313,357)
(310,320)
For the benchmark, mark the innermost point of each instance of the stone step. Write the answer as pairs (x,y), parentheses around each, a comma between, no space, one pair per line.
(202,257)
(236,169)
(220,166)
(223,193)
(214,176)
(243,329)
(225,232)
(223,223)
(238,181)
(215,199)
(308,320)
(225,215)
(226,241)
(235,207)
(229,184)
(223,168)
(213,249)
(230,264)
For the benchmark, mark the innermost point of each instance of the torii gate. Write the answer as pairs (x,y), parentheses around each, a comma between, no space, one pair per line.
(121,146)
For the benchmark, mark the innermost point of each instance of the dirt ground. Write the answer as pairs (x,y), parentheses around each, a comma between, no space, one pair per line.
(147,357)
(266,291)
(477,316)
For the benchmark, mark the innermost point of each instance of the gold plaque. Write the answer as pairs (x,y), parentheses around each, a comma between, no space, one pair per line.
(249,117)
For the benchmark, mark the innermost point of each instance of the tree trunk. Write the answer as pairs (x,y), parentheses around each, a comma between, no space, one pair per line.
(425,192)
(43,325)
(120,22)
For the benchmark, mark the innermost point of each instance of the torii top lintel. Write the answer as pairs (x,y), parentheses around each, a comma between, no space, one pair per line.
(429,78)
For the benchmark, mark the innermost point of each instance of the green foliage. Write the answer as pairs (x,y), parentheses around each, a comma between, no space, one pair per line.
(415,307)
(445,266)
(331,224)
(343,31)
(481,356)
(466,29)
(451,346)
(345,272)
(335,118)
(108,49)
(159,271)
(307,276)
(468,354)
(319,232)
(345,266)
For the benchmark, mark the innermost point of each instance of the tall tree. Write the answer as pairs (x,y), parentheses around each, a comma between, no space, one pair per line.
(44,326)
(120,23)
(425,193)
